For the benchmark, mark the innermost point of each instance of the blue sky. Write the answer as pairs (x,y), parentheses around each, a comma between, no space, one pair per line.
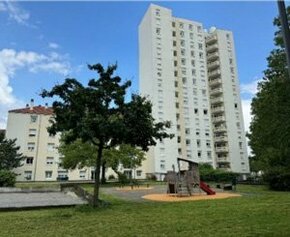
(41,43)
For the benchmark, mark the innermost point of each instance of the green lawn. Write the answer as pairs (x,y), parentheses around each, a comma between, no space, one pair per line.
(258,213)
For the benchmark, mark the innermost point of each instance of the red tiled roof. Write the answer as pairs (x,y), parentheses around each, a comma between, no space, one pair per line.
(34,110)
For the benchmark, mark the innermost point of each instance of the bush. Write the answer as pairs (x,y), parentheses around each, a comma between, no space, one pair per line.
(7,178)
(209,174)
(123,178)
(278,180)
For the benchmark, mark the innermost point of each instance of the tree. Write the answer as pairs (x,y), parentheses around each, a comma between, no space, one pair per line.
(125,155)
(80,154)
(10,158)
(270,127)
(99,114)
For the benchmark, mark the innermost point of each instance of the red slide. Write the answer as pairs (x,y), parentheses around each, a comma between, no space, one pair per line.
(205,188)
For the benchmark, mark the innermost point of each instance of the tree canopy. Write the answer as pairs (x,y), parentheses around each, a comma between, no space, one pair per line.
(99,114)
(270,127)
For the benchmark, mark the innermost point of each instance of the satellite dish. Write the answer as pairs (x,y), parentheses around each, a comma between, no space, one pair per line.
(212,29)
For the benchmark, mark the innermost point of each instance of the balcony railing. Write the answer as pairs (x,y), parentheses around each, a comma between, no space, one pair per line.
(218,109)
(218,119)
(212,56)
(220,129)
(214,74)
(213,65)
(212,48)
(211,39)
(217,100)
(216,81)
(221,149)
(221,139)
(216,91)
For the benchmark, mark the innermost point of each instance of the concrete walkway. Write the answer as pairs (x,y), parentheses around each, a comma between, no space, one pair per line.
(34,200)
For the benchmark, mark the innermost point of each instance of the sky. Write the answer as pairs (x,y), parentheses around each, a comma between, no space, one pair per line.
(42,43)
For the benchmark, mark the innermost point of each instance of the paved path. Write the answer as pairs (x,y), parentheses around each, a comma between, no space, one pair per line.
(44,199)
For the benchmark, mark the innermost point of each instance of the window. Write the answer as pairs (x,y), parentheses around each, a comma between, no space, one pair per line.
(236,105)
(33,118)
(196,111)
(184,80)
(82,174)
(49,160)
(177,105)
(192,53)
(181,25)
(174,44)
(158,31)
(209,155)
(173,33)
(32,133)
(190,27)
(28,175)
(175,73)
(178,127)
(183,61)
(198,143)
(162,166)
(200,55)
(173,24)
(208,143)
(178,139)
(228,36)
(192,63)
(182,43)
(197,132)
(199,29)
(199,154)
(176,83)
(205,111)
(30,146)
(241,145)
(187,131)
(177,116)
(179,151)
(139,172)
(62,174)
(200,46)
(203,91)
(175,63)
(29,160)
(176,94)
(174,53)
(50,146)
(157,12)
(48,174)
(191,35)
(187,141)
(181,33)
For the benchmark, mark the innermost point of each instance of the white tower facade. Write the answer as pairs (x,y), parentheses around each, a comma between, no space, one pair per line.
(174,56)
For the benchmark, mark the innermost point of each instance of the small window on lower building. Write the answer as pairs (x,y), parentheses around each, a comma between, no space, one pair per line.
(29,160)
(49,160)
(28,175)
(82,174)
(139,172)
(48,174)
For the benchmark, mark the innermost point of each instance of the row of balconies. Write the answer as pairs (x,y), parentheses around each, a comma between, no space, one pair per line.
(217,100)
(220,138)
(214,74)
(221,128)
(212,48)
(218,109)
(213,65)
(218,119)
(221,149)
(217,90)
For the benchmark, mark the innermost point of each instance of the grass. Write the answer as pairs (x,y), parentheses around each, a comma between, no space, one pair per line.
(37,185)
(258,213)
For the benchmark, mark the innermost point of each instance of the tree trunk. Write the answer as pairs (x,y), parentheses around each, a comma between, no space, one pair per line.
(96,201)
(103,172)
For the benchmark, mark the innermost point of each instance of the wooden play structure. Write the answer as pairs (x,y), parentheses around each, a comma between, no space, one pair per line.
(183,182)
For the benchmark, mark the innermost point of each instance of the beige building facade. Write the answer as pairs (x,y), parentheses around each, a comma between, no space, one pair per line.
(43,163)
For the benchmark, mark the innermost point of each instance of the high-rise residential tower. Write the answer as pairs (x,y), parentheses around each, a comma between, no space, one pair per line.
(177,67)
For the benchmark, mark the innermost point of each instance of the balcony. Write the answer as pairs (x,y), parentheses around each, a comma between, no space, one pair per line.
(221,139)
(211,39)
(212,48)
(213,65)
(215,82)
(224,159)
(220,129)
(217,100)
(216,91)
(218,109)
(218,119)
(214,74)
(212,56)
(222,149)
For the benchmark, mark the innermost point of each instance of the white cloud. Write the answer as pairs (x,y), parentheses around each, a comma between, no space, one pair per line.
(53,45)
(246,106)
(15,12)
(250,88)
(11,61)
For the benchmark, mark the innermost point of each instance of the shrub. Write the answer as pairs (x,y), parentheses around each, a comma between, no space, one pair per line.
(123,179)
(278,180)
(7,178)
